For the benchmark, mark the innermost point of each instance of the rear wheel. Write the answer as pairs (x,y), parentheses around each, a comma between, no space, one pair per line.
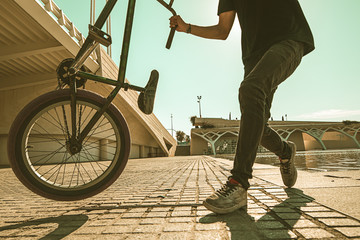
(43,157)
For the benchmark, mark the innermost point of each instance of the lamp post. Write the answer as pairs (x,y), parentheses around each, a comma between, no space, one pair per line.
(172,127)
(199,98)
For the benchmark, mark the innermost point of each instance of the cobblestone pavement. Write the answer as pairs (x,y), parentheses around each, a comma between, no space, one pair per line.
(161,198)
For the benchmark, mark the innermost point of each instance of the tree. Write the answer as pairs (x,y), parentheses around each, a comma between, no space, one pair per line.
(180,136)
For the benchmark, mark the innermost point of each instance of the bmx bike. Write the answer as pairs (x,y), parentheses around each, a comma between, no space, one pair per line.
(71,143)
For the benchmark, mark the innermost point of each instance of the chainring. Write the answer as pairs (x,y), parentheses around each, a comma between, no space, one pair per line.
(65,77)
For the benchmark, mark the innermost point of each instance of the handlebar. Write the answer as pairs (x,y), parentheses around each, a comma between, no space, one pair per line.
(172,31)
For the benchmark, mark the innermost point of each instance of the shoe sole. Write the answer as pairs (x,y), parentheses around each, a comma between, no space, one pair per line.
(242,204)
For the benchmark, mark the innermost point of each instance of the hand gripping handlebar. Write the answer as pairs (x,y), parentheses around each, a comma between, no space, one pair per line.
(172,31)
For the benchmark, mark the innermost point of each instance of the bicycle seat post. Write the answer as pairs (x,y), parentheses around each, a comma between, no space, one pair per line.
(90,44)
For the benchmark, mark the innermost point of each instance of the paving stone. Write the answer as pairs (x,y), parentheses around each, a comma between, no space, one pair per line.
(272,204)
(326,214)
(164,204)
(96,223)
(209,235)
(283,210)
(181,213)
(147,229)
(174,236)
(303,223)
(118,229)
(91,230)
(178,227)
(349,231)
(315,233)
(315,209)
(132,215)
(8,232)
(181,220)
(278,234)
(269,225)
(157,214)
(339,222)
(245,235)
(256,211)
(266,217)
(141,236)
(125,221)
(211,226)
(151,221)
(286,216)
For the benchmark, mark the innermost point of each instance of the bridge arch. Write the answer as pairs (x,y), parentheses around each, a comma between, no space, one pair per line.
(325,134)
(212,137)
(345,131)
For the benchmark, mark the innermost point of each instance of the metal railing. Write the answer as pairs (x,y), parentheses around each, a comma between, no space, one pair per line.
(65,22)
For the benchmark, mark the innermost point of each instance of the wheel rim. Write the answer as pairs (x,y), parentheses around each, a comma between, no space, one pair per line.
(46,154)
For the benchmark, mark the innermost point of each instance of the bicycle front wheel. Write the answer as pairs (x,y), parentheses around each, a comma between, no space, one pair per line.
(38,146)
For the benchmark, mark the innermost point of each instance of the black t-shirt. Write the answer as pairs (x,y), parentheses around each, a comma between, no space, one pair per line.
(266,22)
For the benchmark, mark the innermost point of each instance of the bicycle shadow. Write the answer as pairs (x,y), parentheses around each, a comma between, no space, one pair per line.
(66,224)
(275,224)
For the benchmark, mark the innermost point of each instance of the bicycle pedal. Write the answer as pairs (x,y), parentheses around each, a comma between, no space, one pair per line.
(146,99)
(99,36)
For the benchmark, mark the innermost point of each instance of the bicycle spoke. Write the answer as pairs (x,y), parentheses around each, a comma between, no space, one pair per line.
(59,121)
(48,146)
(88,115)
(86,171)
(53,154)
(51,138)
(52,167)
(57,175)
(93,130)
(61,128)
(94,161)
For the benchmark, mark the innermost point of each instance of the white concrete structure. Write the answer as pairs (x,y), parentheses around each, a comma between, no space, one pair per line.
(35,36)
(219,136)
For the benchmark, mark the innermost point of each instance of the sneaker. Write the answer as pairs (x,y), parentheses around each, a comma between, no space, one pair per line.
(227,199)
(287,167)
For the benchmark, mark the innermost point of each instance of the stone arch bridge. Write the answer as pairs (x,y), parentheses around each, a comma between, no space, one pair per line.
(219,136)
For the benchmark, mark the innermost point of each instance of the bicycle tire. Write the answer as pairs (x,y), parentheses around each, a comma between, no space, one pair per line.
(33,137)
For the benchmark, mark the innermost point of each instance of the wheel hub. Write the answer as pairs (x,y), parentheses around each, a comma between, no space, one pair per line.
(73,146)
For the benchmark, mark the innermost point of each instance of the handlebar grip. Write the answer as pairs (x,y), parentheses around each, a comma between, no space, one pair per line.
(170,39)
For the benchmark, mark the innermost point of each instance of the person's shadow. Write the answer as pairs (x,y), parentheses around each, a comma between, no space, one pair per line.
(274,224)
(66,224)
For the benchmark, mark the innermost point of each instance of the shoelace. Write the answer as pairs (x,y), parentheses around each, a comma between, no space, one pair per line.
(286,166)
(226,189)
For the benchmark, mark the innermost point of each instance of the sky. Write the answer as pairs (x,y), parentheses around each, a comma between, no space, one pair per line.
(325,87)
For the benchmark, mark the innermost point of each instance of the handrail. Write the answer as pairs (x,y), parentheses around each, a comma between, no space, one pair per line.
(63,20)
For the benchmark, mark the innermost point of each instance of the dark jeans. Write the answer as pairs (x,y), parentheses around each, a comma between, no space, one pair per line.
(263,74)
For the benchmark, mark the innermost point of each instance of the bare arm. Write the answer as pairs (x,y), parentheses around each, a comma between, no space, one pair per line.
(219,31)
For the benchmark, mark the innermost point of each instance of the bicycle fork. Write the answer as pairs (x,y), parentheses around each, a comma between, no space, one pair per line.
(95,37)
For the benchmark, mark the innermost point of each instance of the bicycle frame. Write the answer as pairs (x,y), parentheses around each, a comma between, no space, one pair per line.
(90,44)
